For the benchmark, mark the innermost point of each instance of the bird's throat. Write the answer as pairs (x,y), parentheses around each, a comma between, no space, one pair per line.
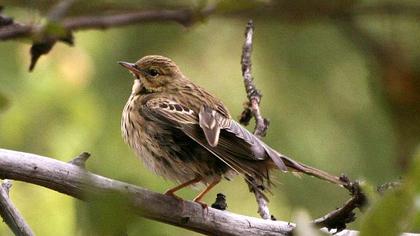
(136,87)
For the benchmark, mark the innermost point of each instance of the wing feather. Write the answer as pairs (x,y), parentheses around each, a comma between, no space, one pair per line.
(209,125)
(222,136)
(168,111)
(232,144)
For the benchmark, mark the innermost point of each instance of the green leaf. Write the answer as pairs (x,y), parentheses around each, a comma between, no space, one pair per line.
(395,212)
(390,215)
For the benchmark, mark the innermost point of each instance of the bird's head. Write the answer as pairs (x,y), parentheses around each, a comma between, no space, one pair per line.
(154,73)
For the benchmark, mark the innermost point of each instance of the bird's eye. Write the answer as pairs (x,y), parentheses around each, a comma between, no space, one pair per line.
(153,72)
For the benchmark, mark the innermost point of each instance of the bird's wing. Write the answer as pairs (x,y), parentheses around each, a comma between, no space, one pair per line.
(235,139)
(176,115)
(167,111)
(220,135)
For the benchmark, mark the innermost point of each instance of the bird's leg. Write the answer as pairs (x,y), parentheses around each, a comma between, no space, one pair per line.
(171,192)
(204,192)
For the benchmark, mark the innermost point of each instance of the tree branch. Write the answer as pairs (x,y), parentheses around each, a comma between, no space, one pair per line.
(254,96)
(10,213)
(44,38)
(336,219)
(252,110)
(75,181)
(185,17)
(339,218)
(79,183)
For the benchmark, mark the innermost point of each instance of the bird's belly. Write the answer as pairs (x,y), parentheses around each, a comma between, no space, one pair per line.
(176,166)
(171,154)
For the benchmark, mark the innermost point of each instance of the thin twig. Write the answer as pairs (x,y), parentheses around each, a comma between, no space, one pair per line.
(252,109)
(186,17)
(44,40)
(339,218)
(10,213)
(336,219)
(254,96)
(80,160)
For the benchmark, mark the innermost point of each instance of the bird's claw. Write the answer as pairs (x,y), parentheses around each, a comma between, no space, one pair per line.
(203,205)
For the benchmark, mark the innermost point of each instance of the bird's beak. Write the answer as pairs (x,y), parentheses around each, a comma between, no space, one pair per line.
(130,66)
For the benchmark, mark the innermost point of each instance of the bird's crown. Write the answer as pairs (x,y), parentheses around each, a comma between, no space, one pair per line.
(153,64)
(155,72)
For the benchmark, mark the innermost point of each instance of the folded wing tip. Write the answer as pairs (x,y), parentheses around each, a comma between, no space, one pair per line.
(280,164)
(211,143)
(277,158)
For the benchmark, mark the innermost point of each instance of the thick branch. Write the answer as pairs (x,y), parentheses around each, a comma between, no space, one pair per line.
(11,215)
(79,183)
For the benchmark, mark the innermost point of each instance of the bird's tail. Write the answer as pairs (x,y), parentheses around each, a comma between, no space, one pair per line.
(298,167)
(312,171)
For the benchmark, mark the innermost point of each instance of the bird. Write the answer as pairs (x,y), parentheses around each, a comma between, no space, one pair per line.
(185,134)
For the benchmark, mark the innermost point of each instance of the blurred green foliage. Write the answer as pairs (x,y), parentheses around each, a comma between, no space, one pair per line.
(304,225)
(3,102)
(321,95)
(399,209)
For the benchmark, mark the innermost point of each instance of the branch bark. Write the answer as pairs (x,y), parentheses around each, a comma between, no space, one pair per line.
(252,109)
(336,219)
(254,96)
(340,217)
(10,213)
(75,181)
(45,39)
(185,17)
(79,183)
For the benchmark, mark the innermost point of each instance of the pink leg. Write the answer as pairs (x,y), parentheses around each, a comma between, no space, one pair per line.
(200,196)
(171,192)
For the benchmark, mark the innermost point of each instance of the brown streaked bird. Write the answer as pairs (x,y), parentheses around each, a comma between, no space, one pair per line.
(187,135)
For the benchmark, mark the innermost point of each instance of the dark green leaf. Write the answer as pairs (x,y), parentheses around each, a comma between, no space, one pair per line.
(394,213)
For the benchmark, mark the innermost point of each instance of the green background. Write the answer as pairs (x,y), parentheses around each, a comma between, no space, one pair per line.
(323,95)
